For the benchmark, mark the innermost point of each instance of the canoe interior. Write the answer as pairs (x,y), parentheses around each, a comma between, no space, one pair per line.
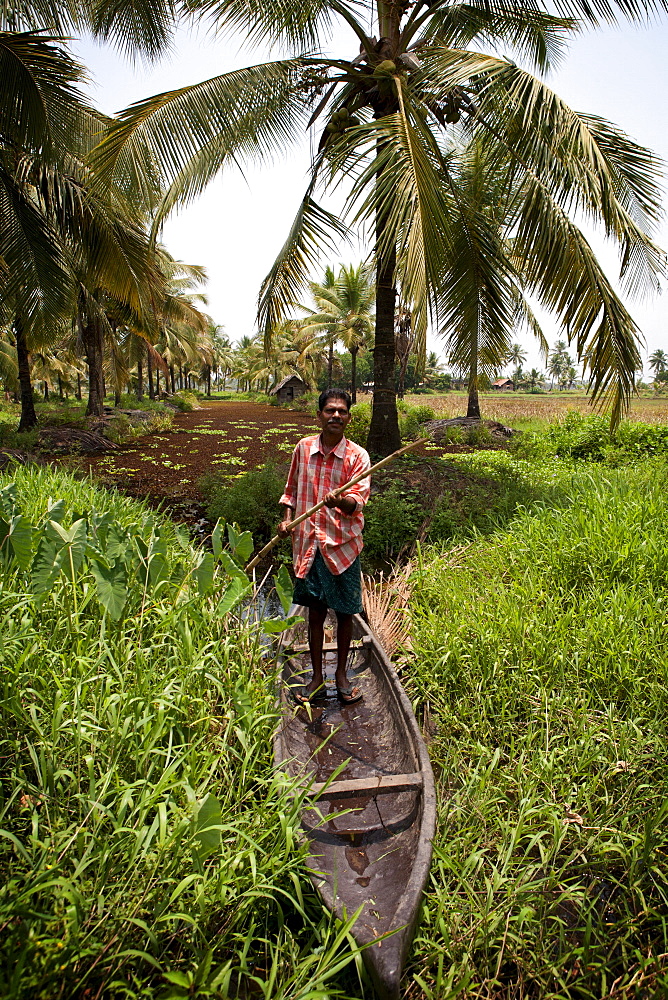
(366,851)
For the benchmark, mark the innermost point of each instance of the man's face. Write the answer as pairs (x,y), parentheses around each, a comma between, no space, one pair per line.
(334,417)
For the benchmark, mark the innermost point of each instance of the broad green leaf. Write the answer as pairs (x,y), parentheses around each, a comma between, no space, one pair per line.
(233,593)
(8,499)
(204,573)
(178,979)
(117,543)
(217,538)
(46,566)
(233,535)
(208,821)
(55,511)
(230,566)
(20,536)
(74,540)
(244,547)
(4,537)
(112,591)
(284,588)
(158,565)
(274,626)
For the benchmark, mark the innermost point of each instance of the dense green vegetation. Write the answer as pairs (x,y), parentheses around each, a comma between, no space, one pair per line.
(147,846)
(541,671)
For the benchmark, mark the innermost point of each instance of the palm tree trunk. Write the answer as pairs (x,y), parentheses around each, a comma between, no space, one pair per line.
(384,436)
(353,373)
(149,373)
(140,379)
(117,398)
(91,333)
(330,363)
(46,391)
(157,383)
(61,394)
(78,386)
(28,415)
(208,380)
(171,375)
(473,409)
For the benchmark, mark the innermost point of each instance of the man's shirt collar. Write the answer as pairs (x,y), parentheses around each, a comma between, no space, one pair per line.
(339,451)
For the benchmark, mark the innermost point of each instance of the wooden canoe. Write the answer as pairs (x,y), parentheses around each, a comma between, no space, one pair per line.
(375,850)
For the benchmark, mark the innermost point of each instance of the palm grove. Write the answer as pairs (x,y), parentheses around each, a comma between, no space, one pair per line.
(464,170)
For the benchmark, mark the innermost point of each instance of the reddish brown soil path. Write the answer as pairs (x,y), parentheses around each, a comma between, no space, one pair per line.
(165,468)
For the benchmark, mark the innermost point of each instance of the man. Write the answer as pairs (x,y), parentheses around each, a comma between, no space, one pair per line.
(326,547)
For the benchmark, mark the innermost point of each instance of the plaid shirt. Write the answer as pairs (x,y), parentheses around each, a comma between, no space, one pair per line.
(312,475)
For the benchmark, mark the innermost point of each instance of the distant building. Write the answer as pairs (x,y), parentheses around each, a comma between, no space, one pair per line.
(290,388)
(503,384)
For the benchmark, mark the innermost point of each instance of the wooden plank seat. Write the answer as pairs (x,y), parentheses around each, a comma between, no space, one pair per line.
(378,784)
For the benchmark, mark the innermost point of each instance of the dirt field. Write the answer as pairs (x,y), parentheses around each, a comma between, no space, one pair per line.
(166,467)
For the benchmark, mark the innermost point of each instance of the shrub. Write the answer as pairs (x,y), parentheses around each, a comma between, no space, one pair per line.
(392,520)
(360,421)
(249,500)
(185,401)
(591,439)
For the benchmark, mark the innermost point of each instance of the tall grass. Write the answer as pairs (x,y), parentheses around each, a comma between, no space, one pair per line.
(148,847)
(541,666)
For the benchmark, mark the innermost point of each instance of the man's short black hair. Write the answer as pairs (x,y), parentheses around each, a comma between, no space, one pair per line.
(334,394)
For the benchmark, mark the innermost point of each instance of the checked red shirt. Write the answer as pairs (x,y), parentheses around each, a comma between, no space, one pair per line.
(312,475)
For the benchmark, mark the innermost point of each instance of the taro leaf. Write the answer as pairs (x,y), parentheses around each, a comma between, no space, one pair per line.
(117,543)
(158,566)
(99,525)
(204,573)
(208,821)
(56,511)
(273,626)
(73,540)
(20,536)
(244,547)
(231,567)
(8,499)
(233,593)
(112,591)
(284,588)
(217,538)
(183,538)
(46,566)
(233,535)
(4,538)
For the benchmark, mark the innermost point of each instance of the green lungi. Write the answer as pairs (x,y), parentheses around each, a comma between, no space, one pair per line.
(320,587)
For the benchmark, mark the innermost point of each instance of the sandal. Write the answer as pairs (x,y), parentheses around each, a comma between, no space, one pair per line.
(301,695)
(349,695)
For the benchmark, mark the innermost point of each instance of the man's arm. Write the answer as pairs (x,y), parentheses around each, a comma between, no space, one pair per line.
(288,515)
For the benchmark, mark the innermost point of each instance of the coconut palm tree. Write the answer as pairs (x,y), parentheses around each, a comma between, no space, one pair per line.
(658,361)
(389,119)
(346,312)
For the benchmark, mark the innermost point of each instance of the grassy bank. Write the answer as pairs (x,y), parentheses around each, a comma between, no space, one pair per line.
(147,846)
(541,670)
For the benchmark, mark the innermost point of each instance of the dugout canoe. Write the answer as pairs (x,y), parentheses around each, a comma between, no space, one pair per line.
(370,828)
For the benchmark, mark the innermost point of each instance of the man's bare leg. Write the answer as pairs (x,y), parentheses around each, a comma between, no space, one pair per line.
(344,634)
(316,638)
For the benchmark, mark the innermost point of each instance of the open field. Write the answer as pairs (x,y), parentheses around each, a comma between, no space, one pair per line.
(527,411)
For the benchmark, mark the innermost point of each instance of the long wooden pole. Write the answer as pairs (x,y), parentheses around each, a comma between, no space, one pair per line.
(337,492)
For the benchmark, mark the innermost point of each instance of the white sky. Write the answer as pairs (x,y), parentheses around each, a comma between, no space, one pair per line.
(238,226)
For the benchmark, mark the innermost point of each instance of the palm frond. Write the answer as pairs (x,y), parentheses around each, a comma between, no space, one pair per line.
(194,131)
(313,230)
(300,23)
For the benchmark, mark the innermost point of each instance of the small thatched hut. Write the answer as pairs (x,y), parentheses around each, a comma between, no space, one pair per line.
(290,388)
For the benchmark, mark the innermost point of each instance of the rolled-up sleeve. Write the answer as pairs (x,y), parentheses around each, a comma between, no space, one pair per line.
(360,492)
